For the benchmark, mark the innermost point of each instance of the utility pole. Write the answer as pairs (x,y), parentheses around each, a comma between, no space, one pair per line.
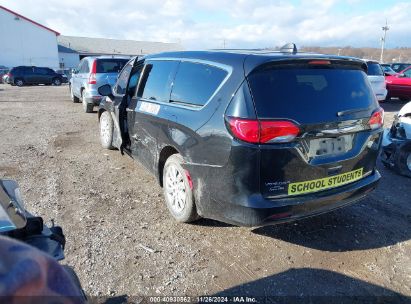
(385,29)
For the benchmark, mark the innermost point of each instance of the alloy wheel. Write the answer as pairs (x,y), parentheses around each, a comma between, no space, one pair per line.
(175,189)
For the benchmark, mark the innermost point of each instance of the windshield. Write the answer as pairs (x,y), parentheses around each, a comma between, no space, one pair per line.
(374,69)
(309,95)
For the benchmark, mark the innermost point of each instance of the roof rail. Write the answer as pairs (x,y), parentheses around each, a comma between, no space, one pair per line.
(289,48)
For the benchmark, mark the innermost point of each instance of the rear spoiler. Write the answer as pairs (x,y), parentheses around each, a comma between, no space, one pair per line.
(293,61)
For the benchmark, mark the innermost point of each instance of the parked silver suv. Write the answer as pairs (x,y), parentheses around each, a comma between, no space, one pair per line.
(92,73)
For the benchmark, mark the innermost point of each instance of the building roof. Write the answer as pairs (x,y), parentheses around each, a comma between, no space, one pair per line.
(29,20)
(63,49)
(101,46)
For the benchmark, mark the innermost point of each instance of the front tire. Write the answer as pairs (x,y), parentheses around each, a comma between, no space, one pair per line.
(177,190)
(106,130)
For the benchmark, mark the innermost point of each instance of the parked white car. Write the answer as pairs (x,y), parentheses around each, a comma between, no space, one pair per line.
(377,79)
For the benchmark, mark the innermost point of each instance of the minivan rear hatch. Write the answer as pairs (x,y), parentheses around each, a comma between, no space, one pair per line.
(337,118)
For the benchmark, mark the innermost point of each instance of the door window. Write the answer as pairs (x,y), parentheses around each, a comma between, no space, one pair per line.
(122,80)
(27,71)
(84,67)
(40,71)
(407,73)
(156,81)
(134,78)
(195,83)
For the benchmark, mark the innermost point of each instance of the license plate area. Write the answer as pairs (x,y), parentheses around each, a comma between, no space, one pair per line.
(320,147)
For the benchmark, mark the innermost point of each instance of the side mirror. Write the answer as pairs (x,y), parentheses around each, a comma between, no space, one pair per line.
(106,90)
(401,75)
(74,71)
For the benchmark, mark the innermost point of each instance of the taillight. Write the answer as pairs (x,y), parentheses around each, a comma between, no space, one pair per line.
(278,131)
(92,78)
(245,129)
(263,131)
(377,119)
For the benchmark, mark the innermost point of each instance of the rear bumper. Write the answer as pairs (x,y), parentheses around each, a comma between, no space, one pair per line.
(91,96)
(381,94)
(290,209)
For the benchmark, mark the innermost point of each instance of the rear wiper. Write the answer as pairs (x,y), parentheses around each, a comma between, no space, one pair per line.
(346,112)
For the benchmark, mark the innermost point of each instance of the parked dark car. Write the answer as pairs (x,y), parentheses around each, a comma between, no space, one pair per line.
(248,137)
(398,67)
(29,75)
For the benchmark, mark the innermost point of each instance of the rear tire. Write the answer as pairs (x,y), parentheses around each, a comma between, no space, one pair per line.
(19,82)
(87,107)
(177,191)
(56,82)
(106,130)
(387,98)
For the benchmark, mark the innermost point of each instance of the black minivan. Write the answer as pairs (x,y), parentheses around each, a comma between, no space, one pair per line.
(248,137)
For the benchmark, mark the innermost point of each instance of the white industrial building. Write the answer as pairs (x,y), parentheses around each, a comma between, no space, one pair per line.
(26,42)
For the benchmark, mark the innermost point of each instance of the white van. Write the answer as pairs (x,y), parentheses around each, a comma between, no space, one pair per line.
(377,79)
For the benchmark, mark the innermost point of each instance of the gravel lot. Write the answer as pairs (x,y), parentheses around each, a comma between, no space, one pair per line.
(109,206)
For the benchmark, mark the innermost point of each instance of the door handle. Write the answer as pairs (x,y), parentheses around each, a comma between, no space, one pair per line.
(129,110)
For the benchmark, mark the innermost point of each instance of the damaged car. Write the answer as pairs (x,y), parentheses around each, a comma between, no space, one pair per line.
(396,152)
(248,137)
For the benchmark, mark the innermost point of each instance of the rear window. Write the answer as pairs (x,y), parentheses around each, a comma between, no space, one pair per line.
(110,65)
(195,83)
(309,95)
(374,69)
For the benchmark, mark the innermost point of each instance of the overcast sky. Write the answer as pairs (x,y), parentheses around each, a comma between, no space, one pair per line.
(242,24)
